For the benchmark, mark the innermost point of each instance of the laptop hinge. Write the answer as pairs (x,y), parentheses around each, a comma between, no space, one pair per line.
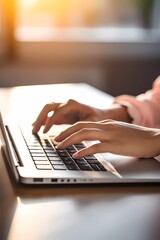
(14,153)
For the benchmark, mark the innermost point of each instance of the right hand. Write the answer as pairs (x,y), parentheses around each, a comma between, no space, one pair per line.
(73,111)
(113,136)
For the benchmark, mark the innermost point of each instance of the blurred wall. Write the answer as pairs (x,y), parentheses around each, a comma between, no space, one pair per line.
(115,76)
(131,76)
(126,63)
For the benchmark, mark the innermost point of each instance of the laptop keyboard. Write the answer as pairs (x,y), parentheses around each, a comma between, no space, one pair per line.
(46,157)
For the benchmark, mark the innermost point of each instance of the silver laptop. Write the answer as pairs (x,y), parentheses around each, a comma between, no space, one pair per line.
(34,159)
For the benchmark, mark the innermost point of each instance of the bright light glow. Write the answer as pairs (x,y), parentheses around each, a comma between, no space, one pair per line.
(59,13)
(81,34)
(28,3)
(47,19)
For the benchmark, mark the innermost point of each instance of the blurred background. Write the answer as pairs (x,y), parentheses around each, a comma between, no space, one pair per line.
(113,45)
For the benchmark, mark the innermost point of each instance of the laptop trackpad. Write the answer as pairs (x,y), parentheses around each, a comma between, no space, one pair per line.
(134,168)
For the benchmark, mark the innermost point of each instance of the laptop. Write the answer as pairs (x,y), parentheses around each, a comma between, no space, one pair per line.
(34,159)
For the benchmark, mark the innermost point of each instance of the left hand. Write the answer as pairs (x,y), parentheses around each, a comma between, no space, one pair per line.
(114,136)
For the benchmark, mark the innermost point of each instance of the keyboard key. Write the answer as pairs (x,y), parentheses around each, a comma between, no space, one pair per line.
(80,161)
(38,154)
(70,148)
(63,154)
(36,151)
(79,146)
(54,158)
(50,151)
(72,167)
(102,167)
(41,162)
(57,162)
(95,167)
(34,145)
(67,160)
(71,151)
(94,161)
(40,158)
(52,154)
(46,144)
(59,167)
(48,148)
(85,167)
(35,148)
(90,157)
(44,167)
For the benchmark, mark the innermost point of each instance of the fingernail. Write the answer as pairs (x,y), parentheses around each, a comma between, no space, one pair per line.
(57,138)
(45,130)
(59,146)
(75,155)
(33,130)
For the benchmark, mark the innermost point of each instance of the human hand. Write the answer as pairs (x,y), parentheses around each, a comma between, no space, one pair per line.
(73,111)
(68,113)
(114,136)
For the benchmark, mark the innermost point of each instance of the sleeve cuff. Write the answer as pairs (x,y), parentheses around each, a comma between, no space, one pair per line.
(132,111)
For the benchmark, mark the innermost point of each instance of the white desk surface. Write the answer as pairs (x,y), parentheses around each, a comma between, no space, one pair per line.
(27,101)
(107,212)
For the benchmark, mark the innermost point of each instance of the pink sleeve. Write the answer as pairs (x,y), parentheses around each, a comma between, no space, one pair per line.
(145,108)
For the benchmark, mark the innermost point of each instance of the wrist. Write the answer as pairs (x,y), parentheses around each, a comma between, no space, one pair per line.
(121,113)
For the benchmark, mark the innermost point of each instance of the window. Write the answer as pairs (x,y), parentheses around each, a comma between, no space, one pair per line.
(64,40)
(38,28)
(46,20)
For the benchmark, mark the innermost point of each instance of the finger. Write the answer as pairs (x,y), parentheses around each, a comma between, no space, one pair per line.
(75,128)
(96,148)
(43,115)
(82,135)
(58,117)
(65,113)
